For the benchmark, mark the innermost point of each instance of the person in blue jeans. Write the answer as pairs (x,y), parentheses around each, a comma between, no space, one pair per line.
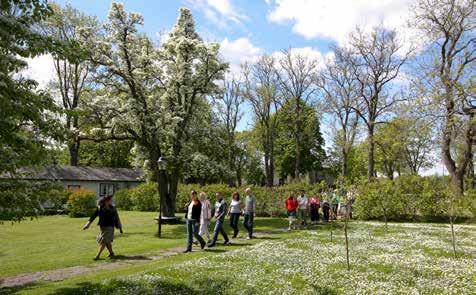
(250,211)
(194,209)
(234,212)
(220,212)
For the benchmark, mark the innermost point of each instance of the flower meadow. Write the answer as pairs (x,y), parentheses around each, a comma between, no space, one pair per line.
(405,259)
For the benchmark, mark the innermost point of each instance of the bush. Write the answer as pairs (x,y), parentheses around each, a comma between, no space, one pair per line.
(270,201)
(410,197)
(20,199)
(81,202)
(143,197)
(123,199)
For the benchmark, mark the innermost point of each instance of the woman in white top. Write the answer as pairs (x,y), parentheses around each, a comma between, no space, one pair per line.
(205,217)
(234,212)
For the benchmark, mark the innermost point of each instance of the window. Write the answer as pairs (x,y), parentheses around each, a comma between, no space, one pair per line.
(106,189)
(73,186)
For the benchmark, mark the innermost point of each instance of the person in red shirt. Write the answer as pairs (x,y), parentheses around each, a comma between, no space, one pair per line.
(291,205)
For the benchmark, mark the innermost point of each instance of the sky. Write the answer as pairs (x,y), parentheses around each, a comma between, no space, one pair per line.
(246,29)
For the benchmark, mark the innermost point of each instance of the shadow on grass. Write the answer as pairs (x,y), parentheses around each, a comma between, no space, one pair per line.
(15,289)
(154,286)
(136,257)
(215,250)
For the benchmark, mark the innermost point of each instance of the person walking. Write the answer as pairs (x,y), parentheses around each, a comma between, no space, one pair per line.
(108,220)
(314,205)
(303,208)
(220,211)
(194,211)
(325,210)
(205,216)
(234,212)
(250,212)
(291,205)
(335,201)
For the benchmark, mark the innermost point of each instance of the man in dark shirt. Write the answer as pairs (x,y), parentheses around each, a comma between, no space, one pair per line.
(220,211)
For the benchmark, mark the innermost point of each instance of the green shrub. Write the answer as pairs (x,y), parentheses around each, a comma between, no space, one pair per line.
(81,202)
(123,199)
(144,197)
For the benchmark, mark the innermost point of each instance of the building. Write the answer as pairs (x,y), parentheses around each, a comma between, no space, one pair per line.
(102,180)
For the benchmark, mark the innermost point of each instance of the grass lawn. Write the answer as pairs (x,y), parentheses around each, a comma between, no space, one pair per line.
(408,259)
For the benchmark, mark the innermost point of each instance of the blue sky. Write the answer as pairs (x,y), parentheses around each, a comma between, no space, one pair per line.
(246,29)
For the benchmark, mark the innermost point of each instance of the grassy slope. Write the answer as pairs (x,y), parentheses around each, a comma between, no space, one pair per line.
(408,258)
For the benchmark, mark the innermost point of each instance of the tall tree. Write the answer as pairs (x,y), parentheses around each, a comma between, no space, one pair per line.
(377,60)
(26,113)
(72,68)
(228,102)
(312,143)
(297,75)
(339,86)
(260,88)
(158,90)
(449,75)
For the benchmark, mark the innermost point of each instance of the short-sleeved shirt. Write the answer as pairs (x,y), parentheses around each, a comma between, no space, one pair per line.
(235,206)
(220,210)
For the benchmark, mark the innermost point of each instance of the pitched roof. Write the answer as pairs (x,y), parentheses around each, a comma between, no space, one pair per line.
(84,173)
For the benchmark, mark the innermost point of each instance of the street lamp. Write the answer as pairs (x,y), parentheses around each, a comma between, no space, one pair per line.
(161,188)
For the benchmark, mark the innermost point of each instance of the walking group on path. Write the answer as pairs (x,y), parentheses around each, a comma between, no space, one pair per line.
(199,213)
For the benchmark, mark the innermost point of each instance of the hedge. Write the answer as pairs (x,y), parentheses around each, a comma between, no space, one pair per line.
(81,202)
(407,198)
(270,201)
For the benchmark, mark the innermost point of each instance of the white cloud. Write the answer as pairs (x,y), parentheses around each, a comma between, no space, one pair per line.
(218,11)
(336,19)
(307,52)
(40,69)
(238,51)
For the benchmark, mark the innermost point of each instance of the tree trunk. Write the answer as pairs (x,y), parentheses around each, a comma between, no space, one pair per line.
(344,165)
(74,152)
(297,167)
(169,207)
(346,237)
(371,163)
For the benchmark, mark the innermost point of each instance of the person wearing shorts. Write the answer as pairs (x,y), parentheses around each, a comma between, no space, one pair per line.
(291,205)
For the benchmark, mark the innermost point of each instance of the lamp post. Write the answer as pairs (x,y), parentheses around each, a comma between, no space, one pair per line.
(162,188)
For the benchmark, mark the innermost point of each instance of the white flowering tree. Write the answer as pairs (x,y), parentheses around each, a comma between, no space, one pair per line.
(152,93)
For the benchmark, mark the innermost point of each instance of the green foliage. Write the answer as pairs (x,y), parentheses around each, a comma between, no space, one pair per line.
(81,202)
(106,153)
(411,197)
(26,114)
(20,199)
(311,141)
(143,197)
(270,201)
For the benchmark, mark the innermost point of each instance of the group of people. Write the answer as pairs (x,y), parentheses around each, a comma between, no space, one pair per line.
(199,215)
(301,207)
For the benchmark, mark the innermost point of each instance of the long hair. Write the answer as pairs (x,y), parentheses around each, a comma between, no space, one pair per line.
(235,194)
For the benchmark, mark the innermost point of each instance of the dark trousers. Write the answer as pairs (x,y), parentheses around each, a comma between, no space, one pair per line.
(192,231)
(219,229)
(314,214)
(326,213)
(234,218)
(248,223)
